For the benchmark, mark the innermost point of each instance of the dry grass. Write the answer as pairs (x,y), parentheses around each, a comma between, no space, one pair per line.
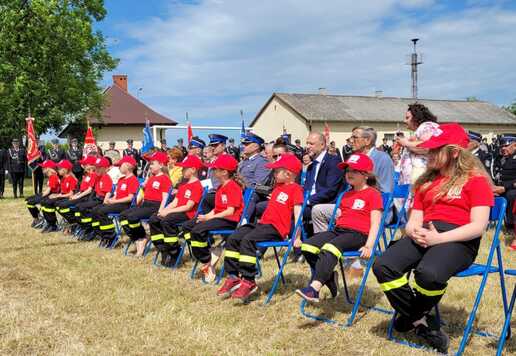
(60,296)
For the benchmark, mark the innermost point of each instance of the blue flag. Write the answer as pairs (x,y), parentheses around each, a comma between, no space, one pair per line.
(148,142)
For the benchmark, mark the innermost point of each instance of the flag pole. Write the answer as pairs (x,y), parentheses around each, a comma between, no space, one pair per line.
(33,178)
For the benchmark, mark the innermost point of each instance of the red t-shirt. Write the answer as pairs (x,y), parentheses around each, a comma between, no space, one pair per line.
(356,207)
(88,181)
(454,207)
(103,185)
(126,186)
(281,206)
(155,187)
(68,184)
(53,183)
(229,195)
(189,191)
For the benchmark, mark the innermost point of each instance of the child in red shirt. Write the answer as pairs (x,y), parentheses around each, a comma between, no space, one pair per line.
(450,213)
(226,214)
(155,194)
(66,207)
(126,187)
(67,188)
(87,229)
(164,225)
(356,228)
(53,185)
(275,224)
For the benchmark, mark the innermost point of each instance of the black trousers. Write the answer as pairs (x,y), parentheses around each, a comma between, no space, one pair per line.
(48,207)
(83,213)
(32,203)
(165,232)
(130,219)
(198,233)
(432,266)
(2,184)
(323,250)
(510,195)
(100,215)
(68,207)
(240,251)
(39,178)
(17,181)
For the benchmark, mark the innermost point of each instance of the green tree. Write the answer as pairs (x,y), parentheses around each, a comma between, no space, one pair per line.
(512,108)
(51,61)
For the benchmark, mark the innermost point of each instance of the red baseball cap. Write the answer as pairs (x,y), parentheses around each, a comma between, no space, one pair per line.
(88,161)
(102,162)
(65,164)
(447,134)
(358,162)
(224,161)
(48,164)
(190,161)
(159,156)
(287,161)
(126,159)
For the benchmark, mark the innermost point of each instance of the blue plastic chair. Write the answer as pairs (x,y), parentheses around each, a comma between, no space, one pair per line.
(289,244)
(497,215)
(116,220)
(387,204)
(506,330)
(399,192)
(244,218)
(184,244)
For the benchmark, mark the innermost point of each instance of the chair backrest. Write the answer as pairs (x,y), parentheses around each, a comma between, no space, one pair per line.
(497,214)
(169,196)
(199,206)
(401,191)
(396,177)
(248,194)
(299,222)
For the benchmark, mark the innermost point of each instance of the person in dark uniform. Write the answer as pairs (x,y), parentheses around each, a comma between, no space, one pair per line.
(163,147)
(113,153)
(252,169)
(39,177)
(347,150)
(3,168)
(474,147)
(55,153)
(17,160)
(232,149)
(134,153)
(385,147)
(181,146)
(218,145)
(74,155)
(195,148)
(506,178)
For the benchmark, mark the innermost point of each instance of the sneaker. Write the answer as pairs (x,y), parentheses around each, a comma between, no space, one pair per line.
(49,229)
(34,223)
(402,323)
(172,260)
(309,294)
(208,273)
(436,339)
(333,284)
(41,224)
(231,284)
(245,290)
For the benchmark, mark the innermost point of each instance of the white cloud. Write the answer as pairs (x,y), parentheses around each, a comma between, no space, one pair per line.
(216,57)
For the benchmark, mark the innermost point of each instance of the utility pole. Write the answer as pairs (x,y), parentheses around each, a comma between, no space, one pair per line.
(415,60)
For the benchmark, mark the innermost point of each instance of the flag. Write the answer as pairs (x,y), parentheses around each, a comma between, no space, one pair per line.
(327,132)
(90,146)
(148,142)
(33,154)
(242,130)
(189,132)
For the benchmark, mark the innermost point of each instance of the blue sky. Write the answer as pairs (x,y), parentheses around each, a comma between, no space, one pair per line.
(213,58)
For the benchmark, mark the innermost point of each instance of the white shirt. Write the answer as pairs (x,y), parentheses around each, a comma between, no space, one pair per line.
(319,160)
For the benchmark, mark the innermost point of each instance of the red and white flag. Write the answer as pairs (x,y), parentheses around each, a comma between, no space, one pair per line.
(189,132)
(89,143)
(327,132)
(33,154)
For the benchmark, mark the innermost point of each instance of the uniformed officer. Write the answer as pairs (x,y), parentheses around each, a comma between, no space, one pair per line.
(113,153)
(181,146)
(163,147)
(133,152)
(196,148)
(17,160)
(218,145)
(3,168)
(474,146)
(74,155)
(232,149)
(55,153)
(506,177)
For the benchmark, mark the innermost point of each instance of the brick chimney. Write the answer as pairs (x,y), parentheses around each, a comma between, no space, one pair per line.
(120,80)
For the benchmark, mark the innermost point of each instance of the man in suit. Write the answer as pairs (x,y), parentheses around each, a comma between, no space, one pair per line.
(55,153)
(74,155)
(475,147)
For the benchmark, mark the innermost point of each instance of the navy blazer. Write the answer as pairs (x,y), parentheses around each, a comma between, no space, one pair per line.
(329,181)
